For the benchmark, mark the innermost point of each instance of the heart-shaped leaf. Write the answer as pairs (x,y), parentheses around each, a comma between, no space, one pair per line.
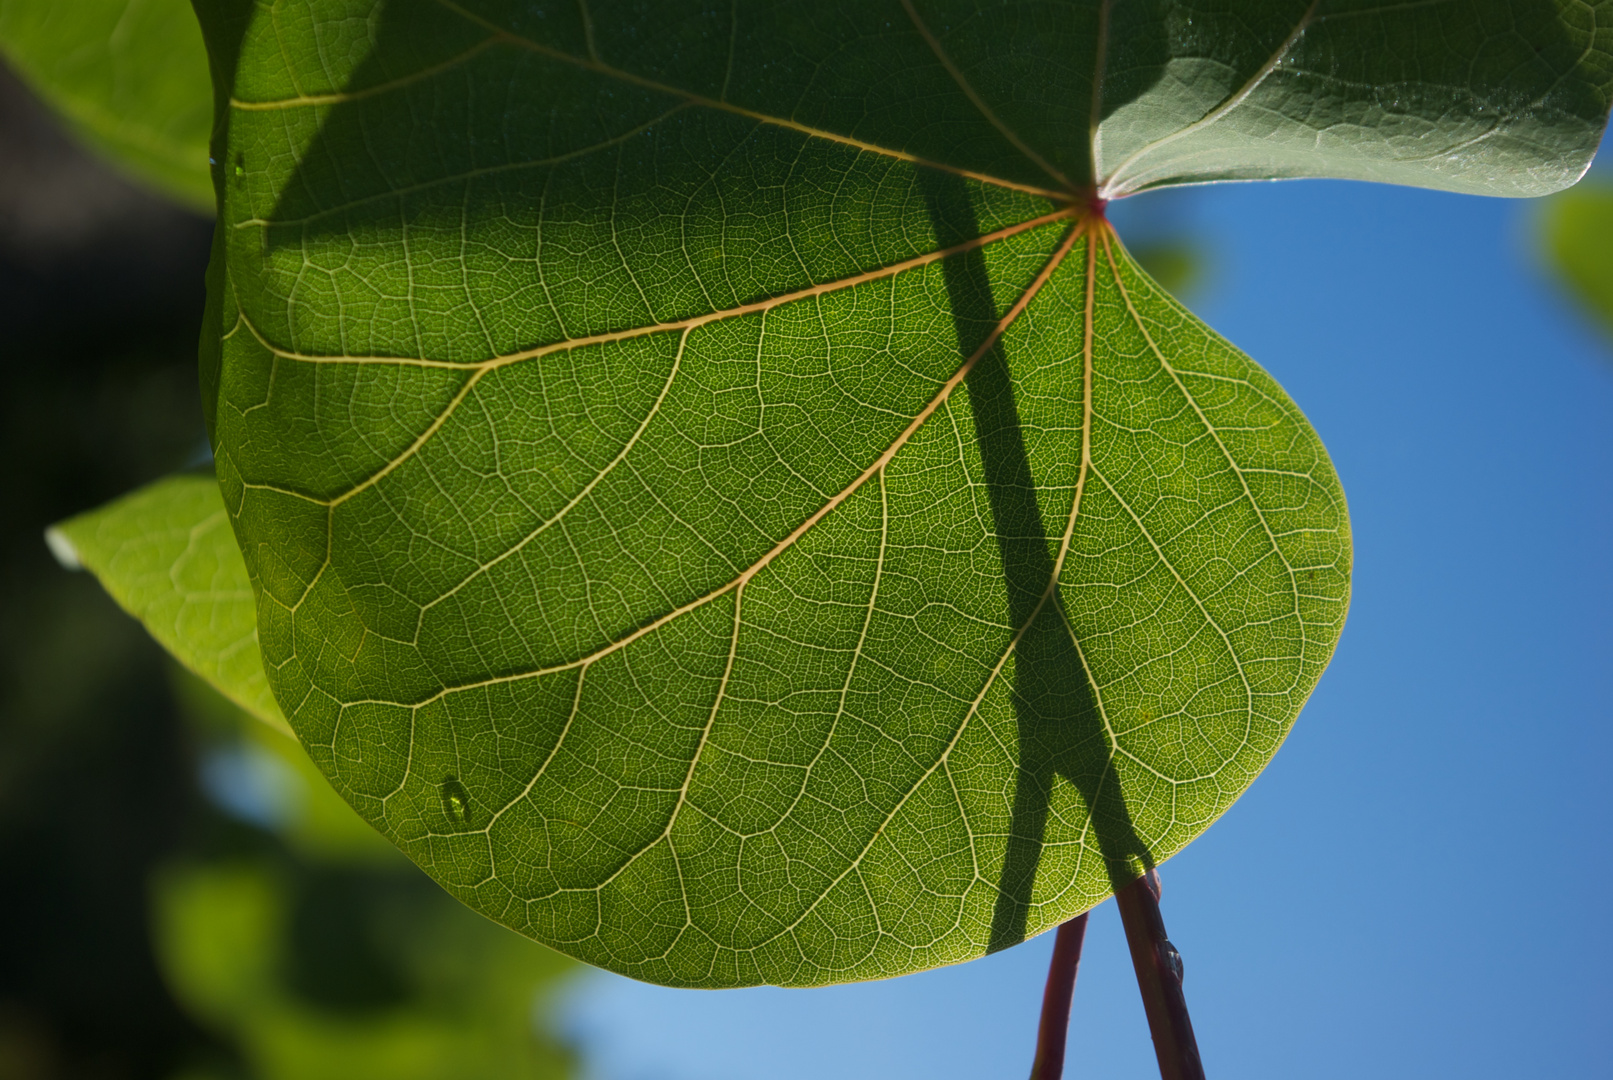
(719,495)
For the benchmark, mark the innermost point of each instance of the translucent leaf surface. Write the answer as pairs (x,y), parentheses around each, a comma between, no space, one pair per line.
(719,497)
(166,554)
(129,75)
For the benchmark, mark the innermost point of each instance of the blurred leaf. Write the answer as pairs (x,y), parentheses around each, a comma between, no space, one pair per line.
(461,1005)
(1579,245)
(318,825)
(1176,264)
(746,520)
(129,75)
(166,554)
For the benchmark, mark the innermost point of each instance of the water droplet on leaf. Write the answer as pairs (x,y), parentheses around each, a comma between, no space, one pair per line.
(456,801)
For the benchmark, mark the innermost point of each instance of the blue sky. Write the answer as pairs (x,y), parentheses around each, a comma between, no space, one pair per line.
(1418,884)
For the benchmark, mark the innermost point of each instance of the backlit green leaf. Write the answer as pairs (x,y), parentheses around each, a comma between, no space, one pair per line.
(719,496)
(131,78)
(166,554)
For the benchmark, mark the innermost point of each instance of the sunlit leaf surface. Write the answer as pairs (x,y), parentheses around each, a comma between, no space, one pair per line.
(720,498)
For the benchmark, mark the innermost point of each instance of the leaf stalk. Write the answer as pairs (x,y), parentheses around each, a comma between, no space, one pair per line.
(1055,1024)
(1159,977)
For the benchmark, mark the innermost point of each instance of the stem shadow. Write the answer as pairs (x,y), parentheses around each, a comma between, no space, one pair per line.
(1060,727)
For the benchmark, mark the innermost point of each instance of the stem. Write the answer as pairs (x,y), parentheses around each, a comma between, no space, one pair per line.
(1055,1025)
(1159,978)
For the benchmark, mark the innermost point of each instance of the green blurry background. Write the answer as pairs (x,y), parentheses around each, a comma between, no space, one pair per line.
(181,895)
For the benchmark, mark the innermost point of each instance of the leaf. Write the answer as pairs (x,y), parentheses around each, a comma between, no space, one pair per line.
(1175,265)
(167,556)
(130,76)
(324,954)
(1579,245)
(721,498)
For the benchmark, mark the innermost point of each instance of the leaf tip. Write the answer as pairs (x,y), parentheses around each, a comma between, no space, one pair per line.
(61,547)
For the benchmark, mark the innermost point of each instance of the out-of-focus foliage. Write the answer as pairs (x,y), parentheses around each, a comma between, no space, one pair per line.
(322,952)
(1579,246)
(129,75)
(1166,238)
(100,302)
(100,297)
(1177,265)
(318,947)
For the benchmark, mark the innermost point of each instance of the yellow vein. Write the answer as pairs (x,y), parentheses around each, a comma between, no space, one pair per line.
(1232,463)
(1088,347)
(587,489)
(1114,187)
(940,398)
(737,110)
(480,370)
(612,336)
(1048,592)
(460,177)
(694,759)
(856,655)
(576,707)
(978,102)
(414,447)
(1164,560)
(303,101)
(1088,344)
(588,30)
(1210,428)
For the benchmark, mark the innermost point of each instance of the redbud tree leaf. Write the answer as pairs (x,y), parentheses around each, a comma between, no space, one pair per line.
(718,494)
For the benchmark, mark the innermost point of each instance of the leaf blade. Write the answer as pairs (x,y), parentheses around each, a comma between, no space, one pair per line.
(167,556)
(775,646)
